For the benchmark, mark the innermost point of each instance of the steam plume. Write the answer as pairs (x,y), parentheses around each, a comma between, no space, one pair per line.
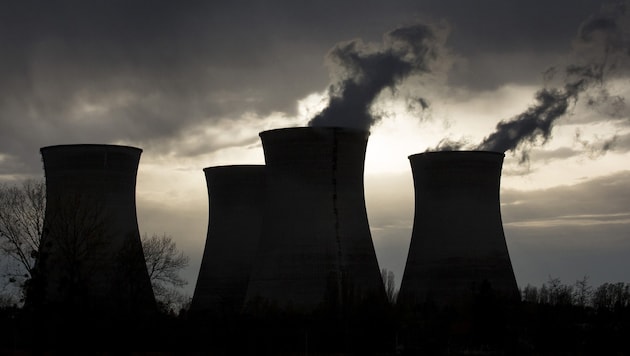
(447,144)
(604,49)
(368,69)
(536,122)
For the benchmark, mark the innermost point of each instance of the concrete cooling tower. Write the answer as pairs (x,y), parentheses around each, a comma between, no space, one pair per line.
(457,246)
(236,196)
(316,248)
(91,255)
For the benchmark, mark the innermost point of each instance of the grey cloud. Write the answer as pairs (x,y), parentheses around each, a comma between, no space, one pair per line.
(569,253)
(203,143)
(586,224)
(556,154)
(603,196)
(622,143)
(12,168)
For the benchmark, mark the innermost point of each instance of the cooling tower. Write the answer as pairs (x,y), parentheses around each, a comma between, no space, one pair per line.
(236,197)
(91,255)
(457,246)
(316,248)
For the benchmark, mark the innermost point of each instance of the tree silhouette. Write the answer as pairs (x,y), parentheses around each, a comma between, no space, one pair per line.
(582,292)
(612,296)
(164,262)
(22,209)
(389,280)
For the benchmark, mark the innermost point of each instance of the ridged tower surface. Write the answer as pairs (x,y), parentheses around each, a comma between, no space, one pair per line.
(236,196)
(91,255)
(457,240)
(316,247)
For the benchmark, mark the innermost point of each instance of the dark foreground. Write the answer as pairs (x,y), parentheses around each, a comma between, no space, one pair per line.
(486,328)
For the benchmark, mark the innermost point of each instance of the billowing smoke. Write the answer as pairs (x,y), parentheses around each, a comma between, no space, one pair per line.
(602,47)
(368,69)
(536,122)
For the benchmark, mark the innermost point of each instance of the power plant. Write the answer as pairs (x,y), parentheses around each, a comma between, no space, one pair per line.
(457,247)
(91,256)
(315,247)
(291,234)
(236,197)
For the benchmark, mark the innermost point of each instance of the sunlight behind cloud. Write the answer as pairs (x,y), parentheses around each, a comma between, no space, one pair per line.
(389,145)
(310,106)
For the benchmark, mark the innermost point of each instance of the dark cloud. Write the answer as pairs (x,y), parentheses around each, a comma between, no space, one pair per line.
(599,24)
(498,37)
(106,71)
(144,72)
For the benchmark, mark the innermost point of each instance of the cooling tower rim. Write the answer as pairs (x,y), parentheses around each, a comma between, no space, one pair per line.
(314,129)
(234,167)
(90,146)
(477,153)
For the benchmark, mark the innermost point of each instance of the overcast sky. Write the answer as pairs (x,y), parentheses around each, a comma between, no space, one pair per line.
(192,83)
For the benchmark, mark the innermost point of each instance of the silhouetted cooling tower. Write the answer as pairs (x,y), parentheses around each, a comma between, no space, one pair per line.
(457,246)
(236,197)
(316,248)
(91,255)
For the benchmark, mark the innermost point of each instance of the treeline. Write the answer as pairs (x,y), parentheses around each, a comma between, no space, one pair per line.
(575,319)
(608,296)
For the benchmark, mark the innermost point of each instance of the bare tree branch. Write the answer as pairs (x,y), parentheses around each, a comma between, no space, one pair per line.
(22,210)
(389,280)
(164,262)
